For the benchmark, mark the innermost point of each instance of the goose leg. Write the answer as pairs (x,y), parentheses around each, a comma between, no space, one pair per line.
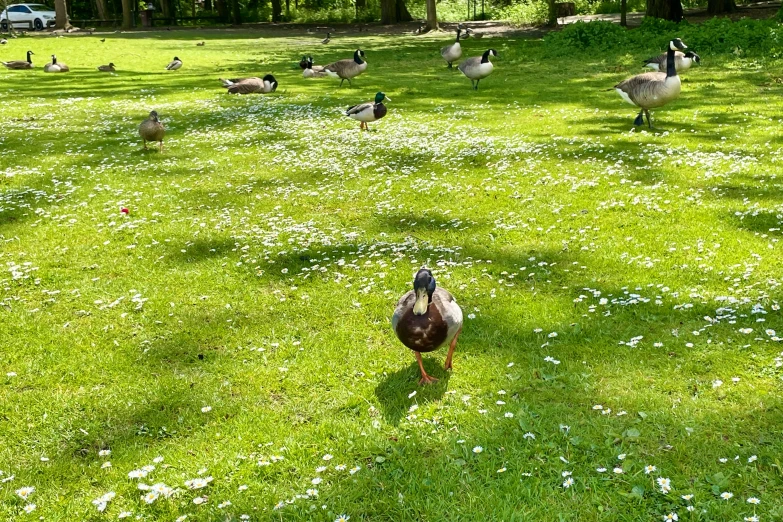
(425,379)
(161,145)
(341,82)
(145,144)
(477,82)
(647,113)
(639,119)
(453,345)
(449,67)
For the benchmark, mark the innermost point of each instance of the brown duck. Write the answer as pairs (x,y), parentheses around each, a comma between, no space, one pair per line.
(152,129)
(426,318)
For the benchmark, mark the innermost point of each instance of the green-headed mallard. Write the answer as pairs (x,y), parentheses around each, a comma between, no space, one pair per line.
(55,67)
(21,64)
(426,318)
(477,68)
(106,68)
(348,68)
(263,85)
(453,51)
(367,112)
(152,129)
(653,89)
(682,61)
(174,64)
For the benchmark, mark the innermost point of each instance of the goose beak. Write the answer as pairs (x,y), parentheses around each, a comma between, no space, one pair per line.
(422,302)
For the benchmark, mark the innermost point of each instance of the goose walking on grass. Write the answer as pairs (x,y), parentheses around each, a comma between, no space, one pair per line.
(426,318)
(367,112)
(348,68)
(175,64)
(653,89)
(107,68)
(55,67)
(453,51)
(21,64)
(477,68)
(152,129)
(313,71)
(682,61)
(263,85)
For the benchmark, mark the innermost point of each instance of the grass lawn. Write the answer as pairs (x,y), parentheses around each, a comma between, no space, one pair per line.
(620,286)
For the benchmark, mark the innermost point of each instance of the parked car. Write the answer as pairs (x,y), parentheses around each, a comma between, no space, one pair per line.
(36,16)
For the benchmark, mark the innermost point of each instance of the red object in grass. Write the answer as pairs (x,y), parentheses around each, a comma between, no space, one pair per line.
(124,210)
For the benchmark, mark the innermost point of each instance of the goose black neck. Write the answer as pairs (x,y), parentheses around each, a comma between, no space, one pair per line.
(54,60)
(357,58)
(459,32)
(671,69)
(485,57)
(29,60)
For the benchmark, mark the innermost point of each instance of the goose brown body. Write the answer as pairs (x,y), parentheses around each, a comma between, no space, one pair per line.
(348,68)
(251,85)
(20,64)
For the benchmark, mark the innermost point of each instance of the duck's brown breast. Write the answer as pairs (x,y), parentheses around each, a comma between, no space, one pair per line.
(422,333)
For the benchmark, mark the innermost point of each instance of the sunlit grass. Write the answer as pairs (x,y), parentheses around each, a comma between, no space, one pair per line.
(240,312)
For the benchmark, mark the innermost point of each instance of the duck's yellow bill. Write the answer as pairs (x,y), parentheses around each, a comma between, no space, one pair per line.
(422,301)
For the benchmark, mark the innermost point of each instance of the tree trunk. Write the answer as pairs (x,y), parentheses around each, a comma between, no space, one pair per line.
(287,9)
(127,14)
(432,16)
(61,15)
(402,12)
(716,7)
(394,11)
(551,13)
(623,13)
(100,6)
(666,9)
(222,9)
(276,10)
(236,13)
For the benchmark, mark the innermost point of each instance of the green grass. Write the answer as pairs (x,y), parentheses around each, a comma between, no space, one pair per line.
(265,249)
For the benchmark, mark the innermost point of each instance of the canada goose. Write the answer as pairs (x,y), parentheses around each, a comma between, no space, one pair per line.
(263,85)
(420,30)
(313,71)
(303,62)
(426,318)
(55,67)
(3,41)
(327,39)
(21,64)
(653,89)
(477,68)
(201,44)
(106,68)
(474,34)
(682,62)
(152,129)
(348,68)
(175,64)
(452,52)
(367,112)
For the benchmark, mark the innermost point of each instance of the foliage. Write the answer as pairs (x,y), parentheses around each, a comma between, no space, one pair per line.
(715,36)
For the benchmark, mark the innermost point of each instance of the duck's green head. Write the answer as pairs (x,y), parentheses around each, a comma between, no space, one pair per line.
(423,287)
(380,97)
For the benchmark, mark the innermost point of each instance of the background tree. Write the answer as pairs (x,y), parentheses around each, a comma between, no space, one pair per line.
(551,17)
(222,9)
(432,16)
(127,14)
(60,15)
(666,9)
(623,12)
(394,11)
(276,10)
(236,12)
(100,7)
(716,7)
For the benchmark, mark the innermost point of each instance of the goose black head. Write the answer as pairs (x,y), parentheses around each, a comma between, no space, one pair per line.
(303,62)
(423,287)
(358,56)
(693,56)
(487,54)
(677,45)
(154,116)
(30,53)
(271,79)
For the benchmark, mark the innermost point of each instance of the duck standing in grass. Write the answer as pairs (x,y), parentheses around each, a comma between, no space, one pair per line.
(653,89)
(55,67)
(21,64)
(426,318)
(682,61)
(452,52)
(174,64)
(107,68)
(367,112)
(477,68)
(152,129)
(263,85)
(348,68)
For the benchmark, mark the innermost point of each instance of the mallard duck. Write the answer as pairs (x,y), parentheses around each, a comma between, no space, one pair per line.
(452,52)
(201,44)
(263,85)
(370,111)
(477,68)
(653,89)
(152,129)
(55,67)
(175,64)
(348,68)
(21,64)
(327,39)
(106,68)
(682,61)
(313,71)
(426,318)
